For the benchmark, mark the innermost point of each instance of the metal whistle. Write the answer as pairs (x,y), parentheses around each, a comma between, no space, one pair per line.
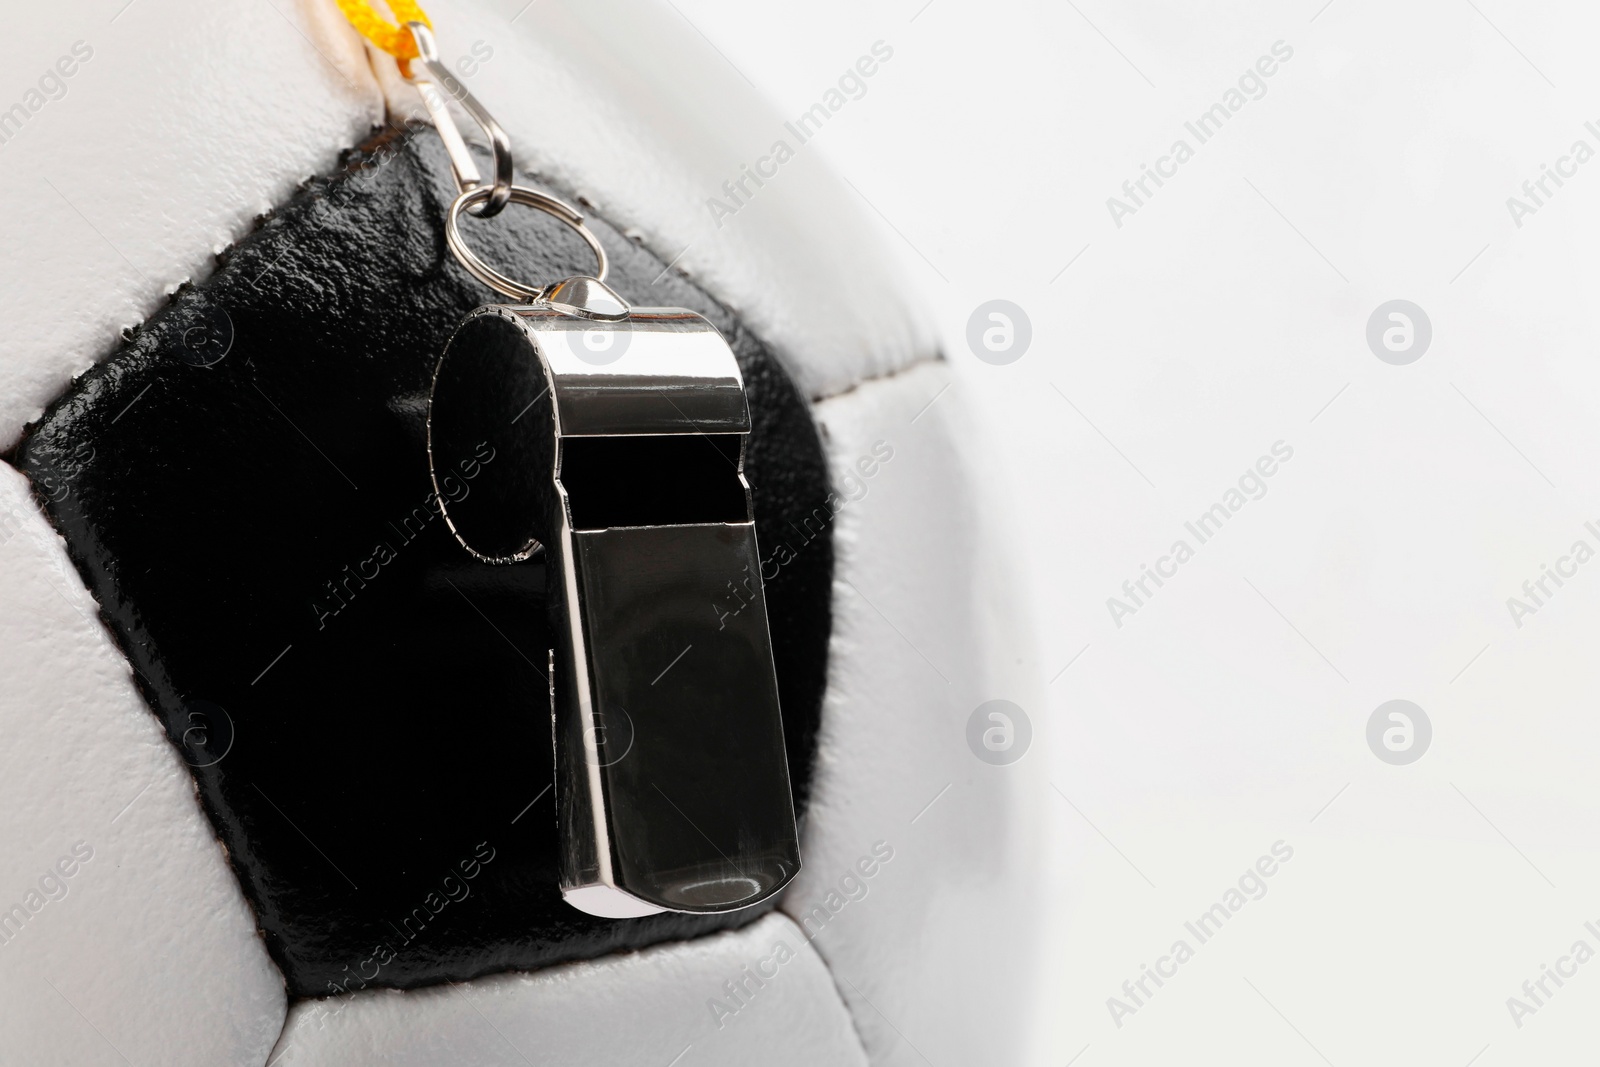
(615,439)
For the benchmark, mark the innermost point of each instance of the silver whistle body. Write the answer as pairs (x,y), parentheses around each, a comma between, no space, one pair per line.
(618,446)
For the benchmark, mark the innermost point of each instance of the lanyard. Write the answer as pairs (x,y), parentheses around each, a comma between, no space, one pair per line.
(393,39)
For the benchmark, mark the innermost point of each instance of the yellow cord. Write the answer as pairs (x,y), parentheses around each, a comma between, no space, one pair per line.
(396,40)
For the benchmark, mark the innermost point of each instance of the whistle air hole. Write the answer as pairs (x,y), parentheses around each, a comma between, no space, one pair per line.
(653,480)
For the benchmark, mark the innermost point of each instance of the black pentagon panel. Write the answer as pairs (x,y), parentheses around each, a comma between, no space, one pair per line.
(244,487)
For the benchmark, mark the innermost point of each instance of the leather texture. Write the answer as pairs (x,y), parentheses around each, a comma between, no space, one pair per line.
(939,950)
(364,703)
(647,1009)
(121,926)
(619,100)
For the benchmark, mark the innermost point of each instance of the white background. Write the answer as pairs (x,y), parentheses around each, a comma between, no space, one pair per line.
(1227,314)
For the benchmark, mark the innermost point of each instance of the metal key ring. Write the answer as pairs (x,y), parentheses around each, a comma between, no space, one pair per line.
(528,198)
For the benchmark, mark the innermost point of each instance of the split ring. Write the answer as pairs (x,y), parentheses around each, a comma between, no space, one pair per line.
(527,198)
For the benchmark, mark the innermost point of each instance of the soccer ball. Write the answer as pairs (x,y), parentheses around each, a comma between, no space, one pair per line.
(273,782)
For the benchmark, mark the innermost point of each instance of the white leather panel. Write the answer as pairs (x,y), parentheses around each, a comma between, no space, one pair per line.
(123,934)
(934,950)
(650,1009)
